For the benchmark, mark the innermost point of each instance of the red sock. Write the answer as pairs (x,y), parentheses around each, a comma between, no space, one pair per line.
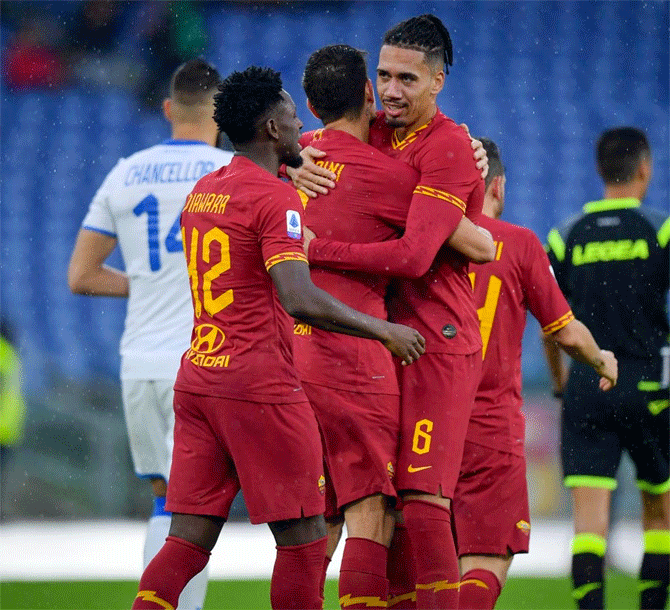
(168,573)
(401,571)
(363,581)
(322,584)
(479,590)
(437,576)
(296,576)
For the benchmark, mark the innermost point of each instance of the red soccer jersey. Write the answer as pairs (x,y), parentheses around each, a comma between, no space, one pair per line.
(367,207)
(518,280)
(237,223)
(439,304)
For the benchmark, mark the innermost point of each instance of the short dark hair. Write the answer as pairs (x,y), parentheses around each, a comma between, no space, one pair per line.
(619,152)
(334,82)
(496,167)
(424,33)
(243,99)
(193,81)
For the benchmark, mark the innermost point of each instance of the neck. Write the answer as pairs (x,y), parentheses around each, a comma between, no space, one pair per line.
(193,131)
(424,119)
(262,154)
(359,128)
(489,209)
(621,191)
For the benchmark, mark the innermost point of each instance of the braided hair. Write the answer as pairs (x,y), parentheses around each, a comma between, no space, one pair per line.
(424,33)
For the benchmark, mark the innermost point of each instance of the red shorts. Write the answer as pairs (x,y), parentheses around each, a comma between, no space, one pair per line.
(360,442)
(437,393)
(272,451)
(490,506)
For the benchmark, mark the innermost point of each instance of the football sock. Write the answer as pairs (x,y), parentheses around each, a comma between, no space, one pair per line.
(655,570)
(437,576)
(588,558)
(479,590)
(363,581)
(297,575)
(401,571)
(167,574)
(322,584)
(193,595)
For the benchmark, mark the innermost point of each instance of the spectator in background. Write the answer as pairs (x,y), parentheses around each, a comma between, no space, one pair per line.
(12,405)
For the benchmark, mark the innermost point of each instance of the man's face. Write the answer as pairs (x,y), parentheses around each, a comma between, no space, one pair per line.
(288,126)
(406,85)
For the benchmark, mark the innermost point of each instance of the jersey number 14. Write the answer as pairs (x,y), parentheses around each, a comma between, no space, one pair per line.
(149,206)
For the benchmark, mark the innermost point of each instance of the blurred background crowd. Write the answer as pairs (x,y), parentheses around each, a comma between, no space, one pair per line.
(82,83)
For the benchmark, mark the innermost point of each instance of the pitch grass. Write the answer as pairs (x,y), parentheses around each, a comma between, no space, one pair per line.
(519,594)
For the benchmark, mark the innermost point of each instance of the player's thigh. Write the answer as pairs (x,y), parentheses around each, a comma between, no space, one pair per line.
(497,564)
(490,504)
(370,518)
(360,440)
(203,479)
(437,395)
(149,426)
(278,457)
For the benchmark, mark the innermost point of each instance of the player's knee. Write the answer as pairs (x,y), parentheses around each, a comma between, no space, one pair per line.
(200,530)
(496,564)
(293,532)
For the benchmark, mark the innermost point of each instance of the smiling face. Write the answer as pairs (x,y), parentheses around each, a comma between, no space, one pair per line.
(407,87)
(288,131)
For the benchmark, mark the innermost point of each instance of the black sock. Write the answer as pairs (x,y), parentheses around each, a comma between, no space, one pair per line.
(587,580)
(654,580)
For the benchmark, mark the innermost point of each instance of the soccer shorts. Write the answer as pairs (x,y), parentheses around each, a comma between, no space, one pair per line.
(490,504)
(360,442)
(271,451)
(598,426)
(149,416)
(437,393)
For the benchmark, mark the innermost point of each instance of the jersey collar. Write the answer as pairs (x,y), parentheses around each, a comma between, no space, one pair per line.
(605,205)
(184,142)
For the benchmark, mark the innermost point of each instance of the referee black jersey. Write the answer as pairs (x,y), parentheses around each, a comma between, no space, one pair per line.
(613,264)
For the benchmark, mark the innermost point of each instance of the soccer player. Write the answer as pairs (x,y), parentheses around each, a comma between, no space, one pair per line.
(436,397)
(242,419)
(612,263)
(138,206)
(351,383)
(490,503)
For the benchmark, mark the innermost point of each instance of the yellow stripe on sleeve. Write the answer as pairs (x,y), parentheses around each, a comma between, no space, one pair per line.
(429,191)
(556,325)
(284,256)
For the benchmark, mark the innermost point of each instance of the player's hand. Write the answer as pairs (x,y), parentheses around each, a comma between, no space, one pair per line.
(481,158)
(405,342)
(608,370)
(308,235)
(311,178)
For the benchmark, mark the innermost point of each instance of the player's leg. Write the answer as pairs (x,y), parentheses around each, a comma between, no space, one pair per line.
(334,527)
(401,568)
(483,577)
(202,487)
(655,569)
(492,521)
(363,580)
(437,397)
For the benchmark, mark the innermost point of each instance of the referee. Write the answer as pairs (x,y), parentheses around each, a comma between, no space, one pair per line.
(612,263)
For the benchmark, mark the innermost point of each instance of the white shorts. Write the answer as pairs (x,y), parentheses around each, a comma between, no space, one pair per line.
(149,412)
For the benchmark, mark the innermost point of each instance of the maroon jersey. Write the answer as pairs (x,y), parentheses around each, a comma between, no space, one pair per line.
(519,279)
(439,303)
(237,223)
(365,206)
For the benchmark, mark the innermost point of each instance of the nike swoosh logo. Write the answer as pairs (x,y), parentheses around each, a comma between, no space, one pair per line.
(411,468)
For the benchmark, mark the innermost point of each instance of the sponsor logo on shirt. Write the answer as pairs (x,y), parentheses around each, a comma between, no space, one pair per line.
(605,251)
(293,226)
(207,338)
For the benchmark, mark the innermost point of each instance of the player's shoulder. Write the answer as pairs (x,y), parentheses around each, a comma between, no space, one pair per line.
(559,235)
(444,128)
(515,234)
(658,219)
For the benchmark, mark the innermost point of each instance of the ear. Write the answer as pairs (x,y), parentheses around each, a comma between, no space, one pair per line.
(438,83)
(271,128)
(496,187)
(311,109)
(167,109)
(369,92)
(644,169)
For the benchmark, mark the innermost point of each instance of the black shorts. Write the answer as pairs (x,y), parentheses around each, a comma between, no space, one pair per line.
(597,426)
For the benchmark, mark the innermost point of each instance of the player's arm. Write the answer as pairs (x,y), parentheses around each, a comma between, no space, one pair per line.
(308,303)
(87,273)
(473,242)
(558,371)
(310,178)
(577,341)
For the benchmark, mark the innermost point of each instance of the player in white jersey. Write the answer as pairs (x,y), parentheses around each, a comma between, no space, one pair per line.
(139,206)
